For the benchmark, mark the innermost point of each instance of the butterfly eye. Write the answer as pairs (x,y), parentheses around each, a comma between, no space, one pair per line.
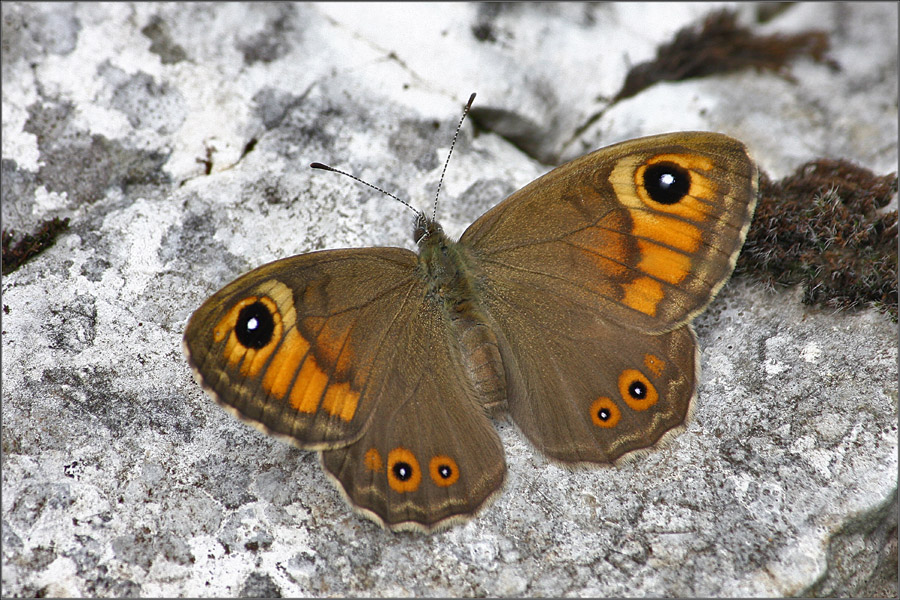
(605,413)
(666,182)
(444,470)
(255,326)
(403,470)
(636,390)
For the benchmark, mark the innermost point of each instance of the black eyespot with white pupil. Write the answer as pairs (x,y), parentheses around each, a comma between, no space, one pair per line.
(255,326)
(402,471)
(637,390)
(666,182)
(445,471)
(603,414)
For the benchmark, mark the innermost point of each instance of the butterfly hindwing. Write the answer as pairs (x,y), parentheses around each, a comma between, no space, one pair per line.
(592,391)
(430,456)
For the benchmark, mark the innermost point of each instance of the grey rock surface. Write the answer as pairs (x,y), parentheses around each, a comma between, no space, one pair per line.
(177,138)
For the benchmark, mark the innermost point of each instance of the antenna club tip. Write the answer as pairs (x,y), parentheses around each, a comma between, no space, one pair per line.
(471,100)
(318,165)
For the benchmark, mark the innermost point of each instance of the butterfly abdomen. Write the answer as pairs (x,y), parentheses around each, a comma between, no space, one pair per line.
(480,353)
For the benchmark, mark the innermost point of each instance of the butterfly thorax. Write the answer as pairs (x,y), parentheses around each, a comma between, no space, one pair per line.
(448,279)
(451,284)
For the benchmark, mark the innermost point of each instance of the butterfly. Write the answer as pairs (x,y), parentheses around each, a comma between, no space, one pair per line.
(568,304)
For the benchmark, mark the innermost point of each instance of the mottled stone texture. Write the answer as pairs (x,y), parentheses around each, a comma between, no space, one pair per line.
(177,138)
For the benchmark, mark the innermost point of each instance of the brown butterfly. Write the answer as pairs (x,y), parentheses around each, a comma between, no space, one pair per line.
(569,303)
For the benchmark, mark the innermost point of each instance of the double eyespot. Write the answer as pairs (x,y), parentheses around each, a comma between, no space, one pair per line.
(635,389)
(404,473)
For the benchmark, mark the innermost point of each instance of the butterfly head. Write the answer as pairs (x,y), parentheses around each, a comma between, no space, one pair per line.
(426,229)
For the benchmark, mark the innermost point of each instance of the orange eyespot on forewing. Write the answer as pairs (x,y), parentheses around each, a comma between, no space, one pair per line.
(636,390)
(674,183)
(403,472)
(253,328)
(261,342)
(605,413)
(444,470)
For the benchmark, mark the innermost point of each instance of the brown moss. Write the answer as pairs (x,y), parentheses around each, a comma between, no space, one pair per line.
(720,45)
(16,254)
(825,227)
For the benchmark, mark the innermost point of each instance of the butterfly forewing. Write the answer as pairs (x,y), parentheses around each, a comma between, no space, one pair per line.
(298,346)
(603,230)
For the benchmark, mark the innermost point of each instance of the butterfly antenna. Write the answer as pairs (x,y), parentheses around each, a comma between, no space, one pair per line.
(447,162)
(317,165)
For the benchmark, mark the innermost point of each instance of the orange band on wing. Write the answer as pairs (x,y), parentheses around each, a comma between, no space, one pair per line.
(307,390)
(340,401)
(643,295)
(280,374)
(676,233)
(663,263)
(312,387)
